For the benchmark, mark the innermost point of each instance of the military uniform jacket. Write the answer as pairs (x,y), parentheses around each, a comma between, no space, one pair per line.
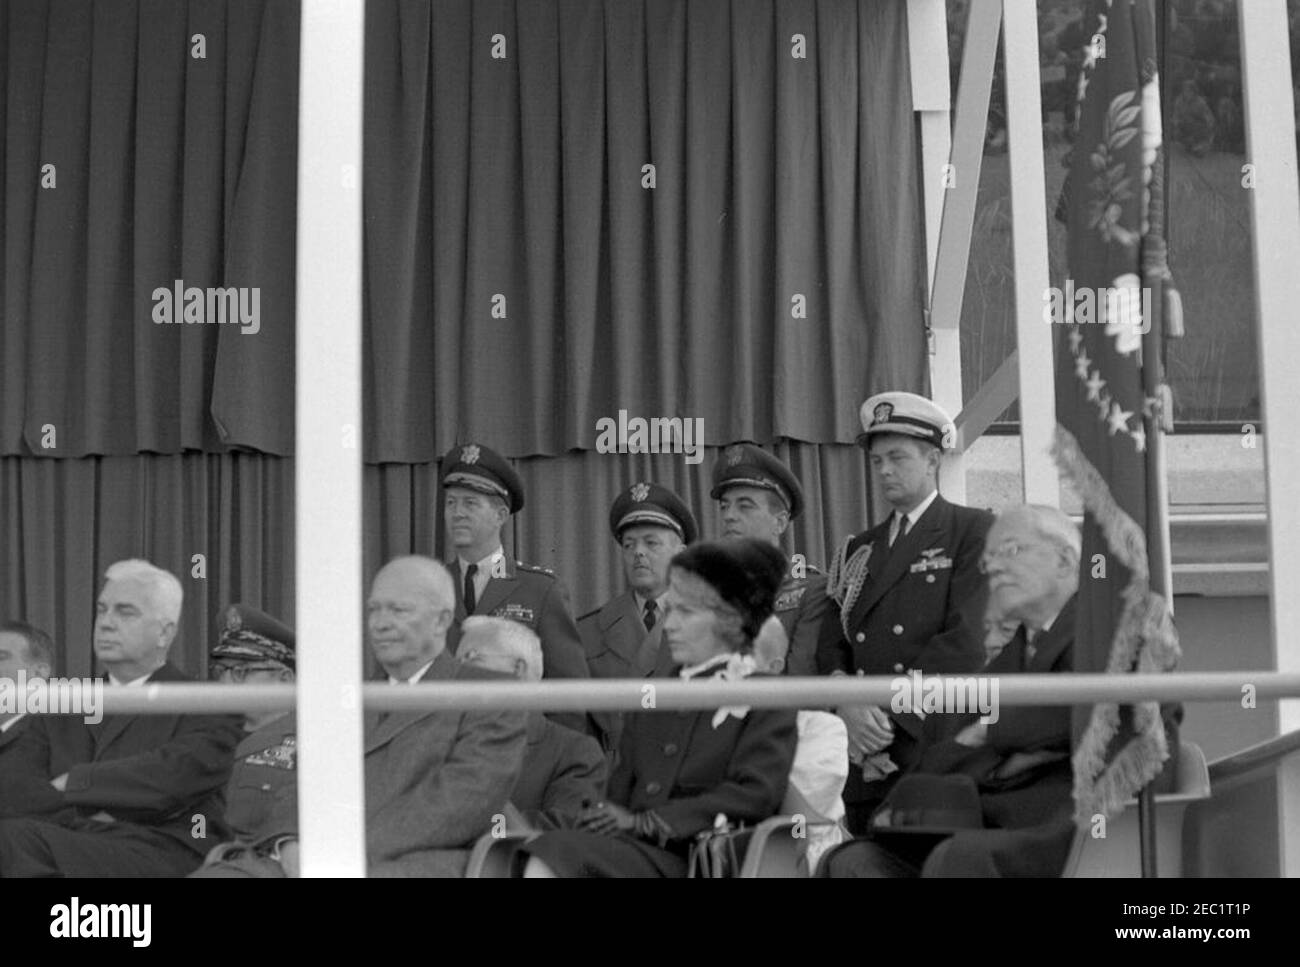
(616,642)
(688,772)
(262,796)
(801,607)
(158,772)
(921,607)
(534,597)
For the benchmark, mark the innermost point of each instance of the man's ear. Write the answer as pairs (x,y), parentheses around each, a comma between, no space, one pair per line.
(521,669)
(167,635)
(287,676)
(42,669)
(442,620)
(782,521)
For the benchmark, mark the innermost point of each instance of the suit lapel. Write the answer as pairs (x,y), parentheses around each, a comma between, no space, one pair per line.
(112,726)
(901,555)
(1050,644)
(621,629)
(381,729)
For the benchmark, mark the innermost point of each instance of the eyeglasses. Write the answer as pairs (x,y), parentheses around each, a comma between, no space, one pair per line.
(238,672)
(1006,552)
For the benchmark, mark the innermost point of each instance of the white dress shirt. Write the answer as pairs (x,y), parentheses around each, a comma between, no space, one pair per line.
(912,516)
(484,573)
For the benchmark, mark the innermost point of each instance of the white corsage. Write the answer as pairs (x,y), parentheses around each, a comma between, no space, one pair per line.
(738,667)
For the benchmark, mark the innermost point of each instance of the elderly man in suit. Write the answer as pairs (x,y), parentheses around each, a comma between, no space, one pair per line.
(563,770)
(480,493)
(909,591)
(435,780)
(134,795)
(1020,759)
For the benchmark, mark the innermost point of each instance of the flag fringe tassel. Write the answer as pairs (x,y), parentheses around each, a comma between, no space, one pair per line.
(1144,641)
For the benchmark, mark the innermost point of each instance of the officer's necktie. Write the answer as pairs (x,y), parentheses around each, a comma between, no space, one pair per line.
(649,619)
(902,529)
(471,599)
(1030,648)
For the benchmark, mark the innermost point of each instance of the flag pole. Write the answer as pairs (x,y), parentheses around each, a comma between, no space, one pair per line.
(1158,416)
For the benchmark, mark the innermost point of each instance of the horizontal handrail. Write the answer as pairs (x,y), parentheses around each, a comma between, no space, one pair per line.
(642,694)
(1255,758)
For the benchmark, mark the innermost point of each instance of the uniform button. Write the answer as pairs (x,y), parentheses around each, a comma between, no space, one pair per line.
(861,637)
(898,667)
(670,748)
(898,629)
(929,579)
(652,788)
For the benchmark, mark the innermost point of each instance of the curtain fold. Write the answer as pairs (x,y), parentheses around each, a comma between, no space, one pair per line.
(145,142)
(222,523)
(582,207)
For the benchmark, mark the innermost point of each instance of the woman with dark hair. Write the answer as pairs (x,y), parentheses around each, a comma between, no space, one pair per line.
(678,771)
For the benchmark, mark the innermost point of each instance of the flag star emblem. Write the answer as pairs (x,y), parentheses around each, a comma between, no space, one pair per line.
(1139,438)
(1118,419)
(1081,364)
(1076,339)
(1095,385)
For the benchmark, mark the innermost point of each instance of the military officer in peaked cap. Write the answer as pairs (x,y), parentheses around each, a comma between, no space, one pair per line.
(480,493)
(908,593)
(262,794)
(758,497)
(623,637)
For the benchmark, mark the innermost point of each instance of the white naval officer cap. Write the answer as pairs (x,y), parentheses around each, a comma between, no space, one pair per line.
(906,414)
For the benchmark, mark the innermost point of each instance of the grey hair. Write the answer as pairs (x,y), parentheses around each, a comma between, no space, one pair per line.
(163,588)
(1054,526)
(510,638)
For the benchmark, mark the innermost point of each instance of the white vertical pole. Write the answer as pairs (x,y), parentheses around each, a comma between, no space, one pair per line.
(1029,245)
(328,459)
(927,51)
(1275,217)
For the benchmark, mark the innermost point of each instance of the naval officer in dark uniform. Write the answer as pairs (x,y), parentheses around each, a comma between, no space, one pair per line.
(262,794)
(623,637)
(758,497)
(481,491)
(908,591)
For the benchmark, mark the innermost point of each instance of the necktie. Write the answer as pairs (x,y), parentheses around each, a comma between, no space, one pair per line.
(471,599)
(902,529)
(649,619)
(1030,648)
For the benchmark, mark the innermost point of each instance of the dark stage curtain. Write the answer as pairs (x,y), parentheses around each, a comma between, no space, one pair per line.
(515,183)
(62,522)
(163,165)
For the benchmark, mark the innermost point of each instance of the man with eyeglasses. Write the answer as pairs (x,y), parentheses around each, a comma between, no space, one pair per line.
(262,795)
(909,592)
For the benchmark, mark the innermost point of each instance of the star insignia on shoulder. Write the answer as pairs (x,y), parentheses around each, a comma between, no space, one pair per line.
(469,454)
(734,455)
(640,492)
